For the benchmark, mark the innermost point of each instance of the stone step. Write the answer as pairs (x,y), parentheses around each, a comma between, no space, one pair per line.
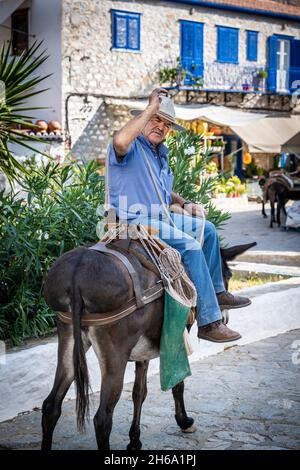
(281,258)
(264,269)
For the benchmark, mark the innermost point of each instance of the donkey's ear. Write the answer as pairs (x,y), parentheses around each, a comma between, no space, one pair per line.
(229,254)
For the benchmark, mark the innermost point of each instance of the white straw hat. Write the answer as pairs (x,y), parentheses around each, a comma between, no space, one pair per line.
(166,111)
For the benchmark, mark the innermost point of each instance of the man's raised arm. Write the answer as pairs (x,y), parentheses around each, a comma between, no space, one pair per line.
(125,136)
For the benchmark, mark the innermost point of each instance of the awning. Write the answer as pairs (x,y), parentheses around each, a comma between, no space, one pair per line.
(219,115)
(292,145)
(261,132)
(269,134)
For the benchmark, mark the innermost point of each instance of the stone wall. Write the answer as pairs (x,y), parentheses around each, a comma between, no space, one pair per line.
(91,65)
(92,125)
(93,72)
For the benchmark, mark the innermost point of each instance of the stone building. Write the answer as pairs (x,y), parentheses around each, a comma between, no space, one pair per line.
(106,53)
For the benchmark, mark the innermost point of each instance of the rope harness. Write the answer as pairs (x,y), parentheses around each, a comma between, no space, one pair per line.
(166,259)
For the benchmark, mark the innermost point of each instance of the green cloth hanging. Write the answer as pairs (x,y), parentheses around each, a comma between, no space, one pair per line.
(174,364)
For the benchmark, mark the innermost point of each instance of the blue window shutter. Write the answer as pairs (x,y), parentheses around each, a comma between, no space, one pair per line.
(133,33)
(272,71)
(294,71)
(252,45)
(198,50)
(198,42)
(120,31)
(234,45)
(186,41)
(222,44)
(228,45)
(126,30)
(191,48)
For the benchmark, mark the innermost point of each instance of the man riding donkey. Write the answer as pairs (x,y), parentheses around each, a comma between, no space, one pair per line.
(140,186)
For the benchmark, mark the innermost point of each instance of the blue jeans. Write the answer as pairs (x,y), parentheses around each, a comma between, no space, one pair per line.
(203,265)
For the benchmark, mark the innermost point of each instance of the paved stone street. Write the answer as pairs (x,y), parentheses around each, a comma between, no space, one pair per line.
(248,397)
(247,225)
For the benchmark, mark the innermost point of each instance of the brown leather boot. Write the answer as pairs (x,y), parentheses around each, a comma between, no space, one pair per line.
(218,333)
(227,301)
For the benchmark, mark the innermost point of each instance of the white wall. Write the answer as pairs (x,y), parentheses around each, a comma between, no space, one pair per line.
(4,32)
(45,23)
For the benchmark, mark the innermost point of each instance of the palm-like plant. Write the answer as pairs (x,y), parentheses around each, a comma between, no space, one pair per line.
(16,74)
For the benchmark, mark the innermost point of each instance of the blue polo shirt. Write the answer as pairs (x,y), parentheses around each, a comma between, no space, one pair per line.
(132,192)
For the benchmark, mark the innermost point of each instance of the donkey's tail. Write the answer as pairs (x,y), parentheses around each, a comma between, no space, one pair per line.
(81,376)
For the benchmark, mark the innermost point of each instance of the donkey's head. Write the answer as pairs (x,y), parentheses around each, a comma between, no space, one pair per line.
(228,254)
(262,181)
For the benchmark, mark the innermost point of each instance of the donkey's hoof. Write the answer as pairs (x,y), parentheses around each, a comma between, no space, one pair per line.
(191,429)
(135,445)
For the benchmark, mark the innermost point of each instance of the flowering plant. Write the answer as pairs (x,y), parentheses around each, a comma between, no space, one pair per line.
(54,212)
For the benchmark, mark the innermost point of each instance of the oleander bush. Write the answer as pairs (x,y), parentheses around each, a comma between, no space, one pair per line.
(188,162)
(53,211)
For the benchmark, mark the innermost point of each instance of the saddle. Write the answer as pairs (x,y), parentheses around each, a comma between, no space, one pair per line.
(122,249)
(282,178)
(290,181)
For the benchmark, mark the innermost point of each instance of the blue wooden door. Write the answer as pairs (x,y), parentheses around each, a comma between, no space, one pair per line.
(272,70)
(294,71)
(191,49)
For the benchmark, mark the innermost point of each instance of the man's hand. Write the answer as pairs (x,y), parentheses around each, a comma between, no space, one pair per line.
(195,209)
(154,100)
(125,136)
(178,209)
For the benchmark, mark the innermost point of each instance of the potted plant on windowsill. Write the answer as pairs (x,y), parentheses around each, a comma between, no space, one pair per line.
(260,80)
(168,76)
(246,86)
(262,74)
(194,81)
(197,82)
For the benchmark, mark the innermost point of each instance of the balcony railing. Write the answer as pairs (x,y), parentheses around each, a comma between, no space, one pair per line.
(221,77)
(233,77)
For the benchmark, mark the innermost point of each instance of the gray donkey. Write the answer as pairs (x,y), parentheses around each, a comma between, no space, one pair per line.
(83,280)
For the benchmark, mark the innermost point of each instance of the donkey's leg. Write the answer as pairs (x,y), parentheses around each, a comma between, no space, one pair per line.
(111,389)
(263,210)
(184,422)
(51,409)
(278,213)
(283,207)
(272,213)
(112,360)
(139,394)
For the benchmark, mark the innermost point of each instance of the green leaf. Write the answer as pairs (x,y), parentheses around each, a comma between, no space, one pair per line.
(20,85)
(189,173)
